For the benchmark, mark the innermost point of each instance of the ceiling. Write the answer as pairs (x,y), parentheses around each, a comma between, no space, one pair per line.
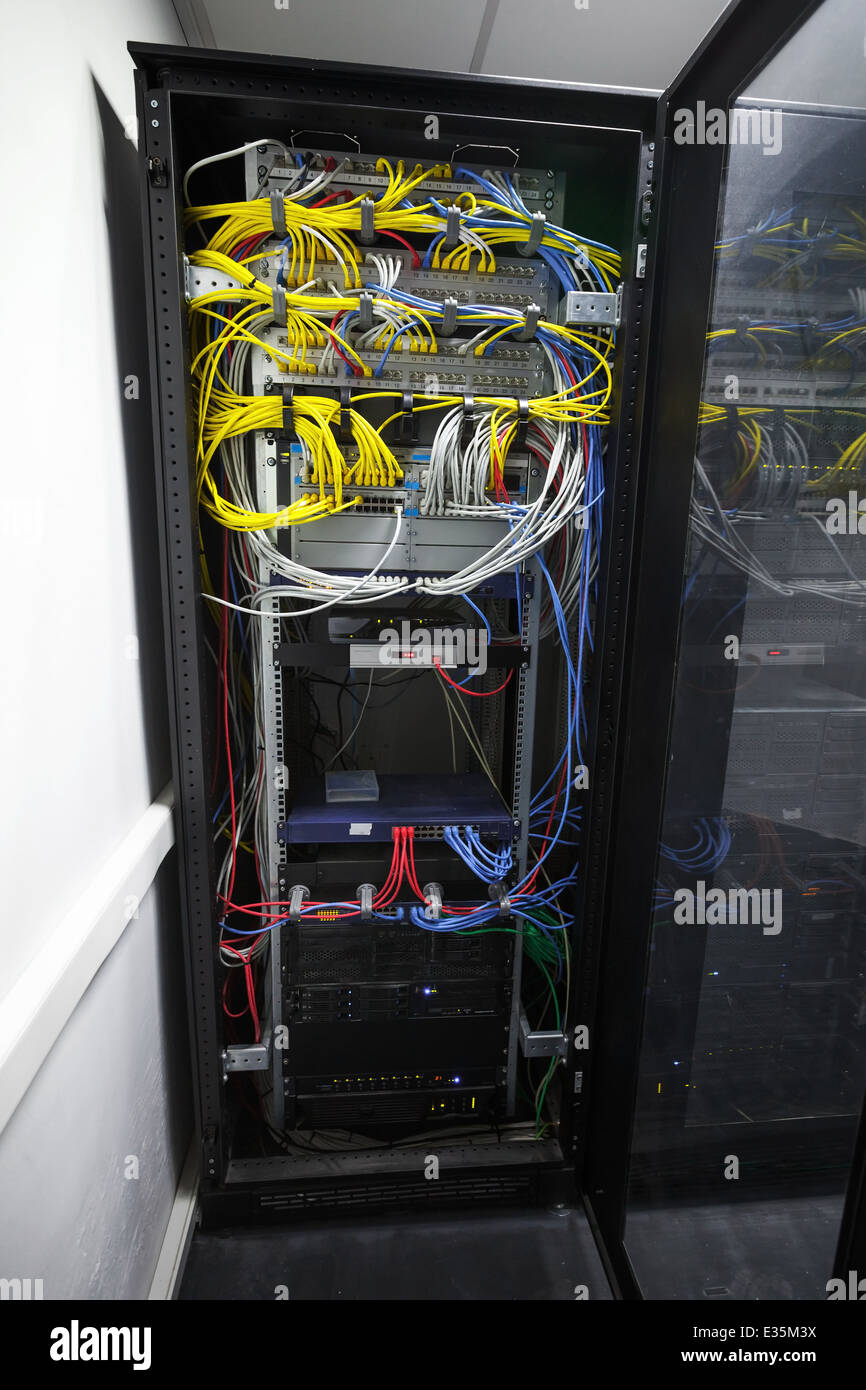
(619,43)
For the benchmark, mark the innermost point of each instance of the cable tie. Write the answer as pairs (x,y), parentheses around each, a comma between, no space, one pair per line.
(280,307)
(366,893)
(452,226)
(536,232)
(297,897)
(449,317)
(433,893)
(368,214)
(408,423)
(499,892)
(278,214)
(530,323)
(288,431)
(469,425)
(345,433)
(365,312)
(522,423)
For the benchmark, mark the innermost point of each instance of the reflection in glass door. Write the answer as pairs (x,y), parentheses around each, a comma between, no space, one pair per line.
(753,1058)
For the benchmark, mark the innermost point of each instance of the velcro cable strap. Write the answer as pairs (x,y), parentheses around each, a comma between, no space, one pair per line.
(368,226)
(408,424)
(468,427)
(522,423)
(530,323)
(346,435)
(280,307)
(278,214)
(288,431)
(536,232)
(298,897)
(452,226)
(499,893)
(365,312)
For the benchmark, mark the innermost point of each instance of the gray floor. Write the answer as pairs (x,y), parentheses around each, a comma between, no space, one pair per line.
(735,1250)
(516,1254)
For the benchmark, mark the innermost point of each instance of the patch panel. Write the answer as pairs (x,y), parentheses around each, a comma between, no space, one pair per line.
(356,174)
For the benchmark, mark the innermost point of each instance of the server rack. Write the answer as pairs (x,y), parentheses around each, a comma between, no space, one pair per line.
(326,984)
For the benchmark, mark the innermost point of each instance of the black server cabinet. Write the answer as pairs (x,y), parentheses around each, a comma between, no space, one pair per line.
(394,1031)
(367,1025)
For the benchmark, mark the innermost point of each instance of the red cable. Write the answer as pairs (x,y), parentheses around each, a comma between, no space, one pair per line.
(250,986)
(531,881)
(477,694)
(416,259)
(389,889)
(409,863)
(498,479)
(226,1010)
(356,370)
(392,869)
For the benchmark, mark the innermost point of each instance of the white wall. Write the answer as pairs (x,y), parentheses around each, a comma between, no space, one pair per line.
(83,736)
(90,1159)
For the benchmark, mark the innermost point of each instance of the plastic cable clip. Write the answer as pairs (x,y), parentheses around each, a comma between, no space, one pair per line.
(533,314)
(298,897)
(288,430)
(365,312)
(499,892)
(408,423)
(536,232)
(522,423)
(278,214)
(345,433)
(280,307)
(467,430)
(449,317)
(366,893)
(368,215)
(433,893)
(452,226)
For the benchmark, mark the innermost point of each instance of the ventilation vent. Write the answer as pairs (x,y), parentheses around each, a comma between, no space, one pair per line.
(488,1189)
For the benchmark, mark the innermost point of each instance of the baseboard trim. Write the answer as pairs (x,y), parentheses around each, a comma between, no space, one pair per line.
(179,1231)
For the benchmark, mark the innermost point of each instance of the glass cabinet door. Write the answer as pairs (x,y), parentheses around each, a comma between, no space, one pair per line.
(753,1050)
